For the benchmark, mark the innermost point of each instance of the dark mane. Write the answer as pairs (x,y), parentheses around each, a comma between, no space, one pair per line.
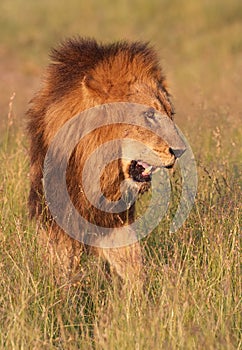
(75,57)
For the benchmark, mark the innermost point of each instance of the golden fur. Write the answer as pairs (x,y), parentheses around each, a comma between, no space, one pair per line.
(84,74)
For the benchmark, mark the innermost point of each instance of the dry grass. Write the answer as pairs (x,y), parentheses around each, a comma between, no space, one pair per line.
(192,298)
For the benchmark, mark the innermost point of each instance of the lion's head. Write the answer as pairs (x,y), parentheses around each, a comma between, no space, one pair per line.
(84,74)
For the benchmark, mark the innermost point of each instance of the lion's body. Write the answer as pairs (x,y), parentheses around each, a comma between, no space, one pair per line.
(82,75)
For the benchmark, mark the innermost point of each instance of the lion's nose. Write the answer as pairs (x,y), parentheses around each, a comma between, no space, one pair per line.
(177,152)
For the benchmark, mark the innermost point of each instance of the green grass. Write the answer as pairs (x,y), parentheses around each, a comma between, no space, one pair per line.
(192,298)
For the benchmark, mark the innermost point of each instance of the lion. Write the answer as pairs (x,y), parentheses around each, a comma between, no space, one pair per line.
(84,74)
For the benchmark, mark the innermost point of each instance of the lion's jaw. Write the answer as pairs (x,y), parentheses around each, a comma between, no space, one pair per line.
(140,160)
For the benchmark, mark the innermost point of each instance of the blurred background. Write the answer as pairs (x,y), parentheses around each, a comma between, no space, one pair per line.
(199,43)
(194,290)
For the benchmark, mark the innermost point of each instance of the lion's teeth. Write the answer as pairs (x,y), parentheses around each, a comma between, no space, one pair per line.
(147,170)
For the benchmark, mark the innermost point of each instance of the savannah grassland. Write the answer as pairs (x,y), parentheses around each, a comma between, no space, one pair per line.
(192,297)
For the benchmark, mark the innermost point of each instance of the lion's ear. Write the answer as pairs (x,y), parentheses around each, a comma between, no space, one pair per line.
(97,86)
(165,98)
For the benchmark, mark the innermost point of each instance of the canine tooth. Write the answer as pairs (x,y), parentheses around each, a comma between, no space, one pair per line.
(147,170)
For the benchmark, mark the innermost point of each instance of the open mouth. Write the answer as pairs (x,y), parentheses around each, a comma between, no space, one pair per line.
(141,171)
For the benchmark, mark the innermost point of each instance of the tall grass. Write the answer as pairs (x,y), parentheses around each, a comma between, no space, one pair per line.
(192,295)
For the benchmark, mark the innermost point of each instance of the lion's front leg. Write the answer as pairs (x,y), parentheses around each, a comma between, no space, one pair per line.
(125,259)
(127,262)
